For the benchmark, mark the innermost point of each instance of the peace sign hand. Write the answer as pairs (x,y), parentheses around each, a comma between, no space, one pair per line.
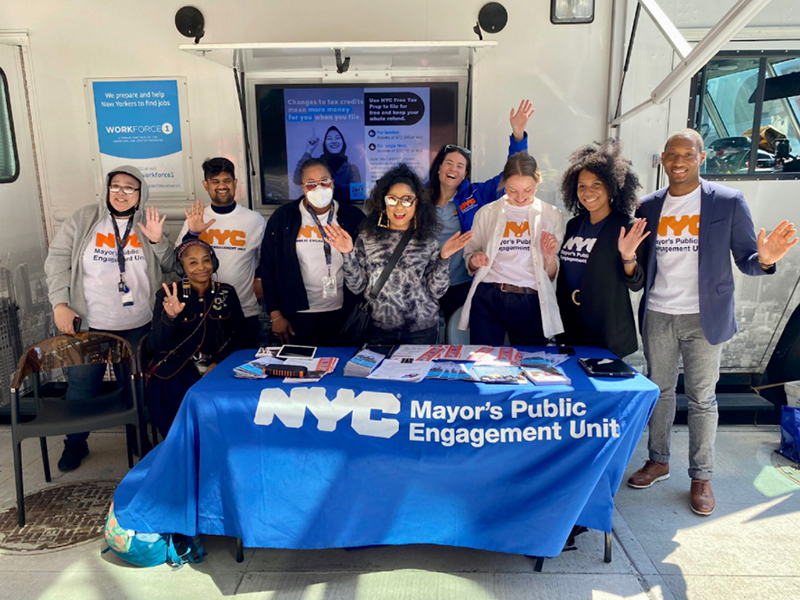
(194,217)
(629,242)
(153,228)
(172,306)
(338,238)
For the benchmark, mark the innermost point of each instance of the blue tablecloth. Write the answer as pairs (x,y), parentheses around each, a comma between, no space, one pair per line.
(439,462)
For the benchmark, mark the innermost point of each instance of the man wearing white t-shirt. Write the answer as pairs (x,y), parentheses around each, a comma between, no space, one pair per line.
(235,233)
(687,308)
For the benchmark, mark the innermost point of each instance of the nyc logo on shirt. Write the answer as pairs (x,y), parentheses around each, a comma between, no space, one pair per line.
(228,239)
(309,234)
(105,248)
(517,236)
(577,249)
(678,233)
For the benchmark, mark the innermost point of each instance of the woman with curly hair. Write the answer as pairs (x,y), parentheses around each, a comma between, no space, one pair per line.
(407,309)
(598,257)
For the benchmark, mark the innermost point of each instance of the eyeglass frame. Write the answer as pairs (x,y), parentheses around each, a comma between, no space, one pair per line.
(456,148)
(318,183)
(123,188)
(400,200)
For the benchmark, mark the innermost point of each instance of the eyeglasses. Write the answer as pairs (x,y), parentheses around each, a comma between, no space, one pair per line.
(311,185)
(456,148)
(125,189)
(405,200)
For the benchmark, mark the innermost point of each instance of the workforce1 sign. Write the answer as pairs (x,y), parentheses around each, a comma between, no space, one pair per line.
(138,123)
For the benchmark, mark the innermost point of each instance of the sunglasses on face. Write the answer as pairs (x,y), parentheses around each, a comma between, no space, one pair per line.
(311,185)
(454,147)
(406,201)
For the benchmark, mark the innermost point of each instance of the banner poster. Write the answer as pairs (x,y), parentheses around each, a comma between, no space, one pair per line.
(139,123)
(360,133)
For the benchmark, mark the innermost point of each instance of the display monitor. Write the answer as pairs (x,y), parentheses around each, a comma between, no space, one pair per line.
(360,131)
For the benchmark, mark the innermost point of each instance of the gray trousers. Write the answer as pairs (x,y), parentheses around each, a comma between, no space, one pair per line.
(666,338)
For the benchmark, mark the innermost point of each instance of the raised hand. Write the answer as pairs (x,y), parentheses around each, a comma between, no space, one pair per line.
(338,238)
(64,317)
(478,260)
(172,305)
(773,247)
(153,227)
(455,243)
(194,217)
(312,142)
(629,242)
(549,246)
(519,119)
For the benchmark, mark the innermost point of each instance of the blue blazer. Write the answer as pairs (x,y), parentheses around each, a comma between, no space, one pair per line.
(725,227)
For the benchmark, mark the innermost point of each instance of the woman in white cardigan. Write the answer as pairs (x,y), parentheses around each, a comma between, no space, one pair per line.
(513,257)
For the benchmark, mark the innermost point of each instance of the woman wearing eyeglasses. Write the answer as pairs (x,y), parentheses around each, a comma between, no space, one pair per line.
(301,271)
(513,258)
(103,269)
(406,310)
(457,199)
(333,155)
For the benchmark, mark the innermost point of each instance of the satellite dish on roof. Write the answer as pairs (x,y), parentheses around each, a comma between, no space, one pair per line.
(190,23)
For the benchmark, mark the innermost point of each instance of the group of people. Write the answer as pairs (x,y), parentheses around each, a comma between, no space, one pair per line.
(492,249)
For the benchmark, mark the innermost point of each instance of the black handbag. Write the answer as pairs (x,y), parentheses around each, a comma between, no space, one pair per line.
(354,331)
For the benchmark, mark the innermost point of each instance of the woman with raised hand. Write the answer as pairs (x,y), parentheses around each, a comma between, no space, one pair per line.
(195,326)
(457,199)
(301,272)
(598,257)
(334,148)
(406,310)
(103,268)
(512,256)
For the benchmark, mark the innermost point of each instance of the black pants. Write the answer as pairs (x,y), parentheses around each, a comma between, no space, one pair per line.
(378,336)
(251,330)
(455,296)
(164,396)
(495,313)
(320,329)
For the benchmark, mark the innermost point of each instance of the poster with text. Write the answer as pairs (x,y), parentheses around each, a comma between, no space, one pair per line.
(359,133)
(138,123)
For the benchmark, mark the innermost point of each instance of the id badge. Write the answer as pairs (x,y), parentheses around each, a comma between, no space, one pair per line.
(127,297)
(329,286)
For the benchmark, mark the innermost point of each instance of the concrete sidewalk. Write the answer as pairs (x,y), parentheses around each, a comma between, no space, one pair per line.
(747,549)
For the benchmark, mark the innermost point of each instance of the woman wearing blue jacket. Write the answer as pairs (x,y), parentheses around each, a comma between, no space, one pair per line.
(457,199)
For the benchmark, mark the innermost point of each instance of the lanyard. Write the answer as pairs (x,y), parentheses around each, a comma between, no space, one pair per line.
(325,245)
(121,250)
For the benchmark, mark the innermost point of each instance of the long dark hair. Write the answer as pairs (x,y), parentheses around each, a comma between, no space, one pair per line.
(334,161)
(610,167)
(434,185)
(425,215)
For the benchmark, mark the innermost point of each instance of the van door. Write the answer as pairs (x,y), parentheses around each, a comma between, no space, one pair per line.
(25,313)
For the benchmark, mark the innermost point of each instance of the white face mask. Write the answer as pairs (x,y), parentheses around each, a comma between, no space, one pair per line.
(320,197)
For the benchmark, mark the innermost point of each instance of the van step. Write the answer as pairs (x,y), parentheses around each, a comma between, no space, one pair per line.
(743,401)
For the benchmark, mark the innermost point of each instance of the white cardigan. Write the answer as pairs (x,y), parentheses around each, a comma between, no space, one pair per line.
(487,229)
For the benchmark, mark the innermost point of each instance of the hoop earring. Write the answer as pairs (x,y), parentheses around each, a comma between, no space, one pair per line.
(381,217)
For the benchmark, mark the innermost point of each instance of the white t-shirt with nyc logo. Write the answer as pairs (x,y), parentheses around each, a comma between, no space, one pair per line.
(675,289)
(512,264)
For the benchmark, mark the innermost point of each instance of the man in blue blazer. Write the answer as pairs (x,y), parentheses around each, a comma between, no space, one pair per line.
(687,307)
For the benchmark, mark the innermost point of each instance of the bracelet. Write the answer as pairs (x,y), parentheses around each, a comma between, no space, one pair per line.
(765,265)
(631,261)
(278,318)
(193,233)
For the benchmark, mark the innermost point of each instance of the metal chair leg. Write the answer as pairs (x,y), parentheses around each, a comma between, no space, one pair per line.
(45,459)
(18,481)
(538,563)
(239,550)
(607,555)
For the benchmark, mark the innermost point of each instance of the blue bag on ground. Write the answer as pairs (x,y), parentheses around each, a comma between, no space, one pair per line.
(790,433)
(150,549)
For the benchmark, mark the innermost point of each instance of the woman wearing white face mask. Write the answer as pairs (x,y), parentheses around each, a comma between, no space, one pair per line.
(301,273)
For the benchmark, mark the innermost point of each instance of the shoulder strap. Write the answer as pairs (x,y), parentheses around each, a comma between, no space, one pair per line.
(387,270)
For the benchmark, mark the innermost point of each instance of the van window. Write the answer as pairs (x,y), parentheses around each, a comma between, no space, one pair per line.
(737,94)
(9,162)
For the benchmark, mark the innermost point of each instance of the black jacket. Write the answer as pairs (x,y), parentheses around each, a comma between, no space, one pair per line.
(216,332)
(282,280)
(604,318)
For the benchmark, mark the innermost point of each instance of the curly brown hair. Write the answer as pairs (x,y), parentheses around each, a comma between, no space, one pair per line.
(608,164)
